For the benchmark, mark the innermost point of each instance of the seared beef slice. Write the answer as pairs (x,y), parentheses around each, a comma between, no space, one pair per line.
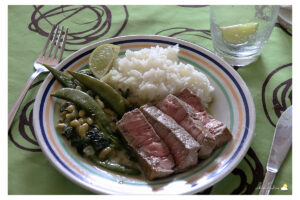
(181,144)
(215,127)
(154,156)
(188,97)
(183,114)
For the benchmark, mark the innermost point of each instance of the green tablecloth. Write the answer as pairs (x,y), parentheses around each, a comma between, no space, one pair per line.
(269,80)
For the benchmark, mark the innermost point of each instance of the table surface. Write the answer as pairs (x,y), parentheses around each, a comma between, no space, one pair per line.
(269,80)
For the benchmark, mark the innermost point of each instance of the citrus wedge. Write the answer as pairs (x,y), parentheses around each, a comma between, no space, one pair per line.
(237,34)
(102,58)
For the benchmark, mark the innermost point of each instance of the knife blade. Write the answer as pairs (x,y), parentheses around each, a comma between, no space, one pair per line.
(281,144)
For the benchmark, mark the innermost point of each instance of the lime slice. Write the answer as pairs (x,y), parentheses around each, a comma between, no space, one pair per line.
(102,58)
(239,33)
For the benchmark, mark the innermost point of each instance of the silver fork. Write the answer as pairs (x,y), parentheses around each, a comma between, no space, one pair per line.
(46,57)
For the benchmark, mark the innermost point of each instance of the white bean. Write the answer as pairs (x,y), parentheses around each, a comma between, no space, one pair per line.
(104,153)
(89,120)
(70,108)
(81,120)
(78,87)
(83,129)
(61,127)
(81,113)
(74,123)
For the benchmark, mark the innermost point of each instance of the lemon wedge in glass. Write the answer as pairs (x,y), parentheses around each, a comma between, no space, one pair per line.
(237,34)
(102,58)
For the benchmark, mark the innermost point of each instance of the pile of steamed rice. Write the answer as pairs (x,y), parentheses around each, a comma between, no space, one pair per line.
(151,74)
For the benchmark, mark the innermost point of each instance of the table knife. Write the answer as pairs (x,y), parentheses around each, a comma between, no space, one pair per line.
(281,144)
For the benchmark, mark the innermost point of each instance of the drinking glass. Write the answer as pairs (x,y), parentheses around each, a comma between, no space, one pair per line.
(239,32)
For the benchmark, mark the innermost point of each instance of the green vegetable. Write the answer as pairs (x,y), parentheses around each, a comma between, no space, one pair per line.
(97,139)
(94,140)
(87,72)
(75,139)
(61,77)
(106,92)
(116,167)
(86,102)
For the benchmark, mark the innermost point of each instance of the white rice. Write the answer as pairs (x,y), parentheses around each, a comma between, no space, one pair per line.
(151,74)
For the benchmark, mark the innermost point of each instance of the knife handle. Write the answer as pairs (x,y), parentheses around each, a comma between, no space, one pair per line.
(267,184)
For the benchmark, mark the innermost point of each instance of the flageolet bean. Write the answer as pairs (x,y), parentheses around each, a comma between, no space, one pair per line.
(71,108)
(109,112)
(74,123)
(81,113)
(113,153)
(61,127)
(89,120)
(81,120)
(89,150)
(70,116)
(99,102)
(87,103)
(83,129)
(104,153)
(78,87)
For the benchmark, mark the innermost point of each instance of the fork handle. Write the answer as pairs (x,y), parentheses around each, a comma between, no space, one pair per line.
(14,109)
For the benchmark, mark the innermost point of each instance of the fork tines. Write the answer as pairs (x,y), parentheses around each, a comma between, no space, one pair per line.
(55,36)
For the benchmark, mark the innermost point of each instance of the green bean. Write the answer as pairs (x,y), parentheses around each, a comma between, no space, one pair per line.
(116,167)
(86,102)
(61,77)
(102,89)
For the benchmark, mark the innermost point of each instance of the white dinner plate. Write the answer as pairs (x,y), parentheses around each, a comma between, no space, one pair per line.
(233,105)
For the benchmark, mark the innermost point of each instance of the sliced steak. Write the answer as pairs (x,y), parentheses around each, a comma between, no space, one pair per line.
(190,98)
(154,156)
(182,145)
(183,114)
(215,127)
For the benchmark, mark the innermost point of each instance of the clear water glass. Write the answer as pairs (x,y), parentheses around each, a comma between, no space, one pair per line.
(240,32)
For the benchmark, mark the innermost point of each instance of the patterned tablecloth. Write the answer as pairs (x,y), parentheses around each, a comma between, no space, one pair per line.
(269,80)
